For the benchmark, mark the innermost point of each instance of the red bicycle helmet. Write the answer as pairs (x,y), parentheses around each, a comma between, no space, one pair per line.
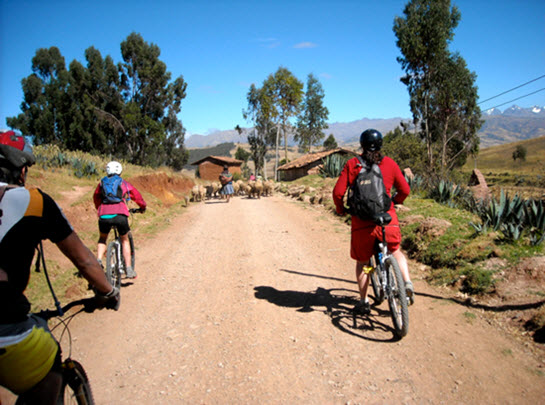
(15,150)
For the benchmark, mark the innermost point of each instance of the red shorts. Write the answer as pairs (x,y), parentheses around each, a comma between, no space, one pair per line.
(364,235)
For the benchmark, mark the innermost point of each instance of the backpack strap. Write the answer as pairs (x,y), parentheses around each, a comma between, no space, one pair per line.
(128,194)
(2,191)
(360,159)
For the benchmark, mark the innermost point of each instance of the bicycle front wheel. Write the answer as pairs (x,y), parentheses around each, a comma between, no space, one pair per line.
(133,253)
(375,282)
(75,388)
(112,265)
(397,298)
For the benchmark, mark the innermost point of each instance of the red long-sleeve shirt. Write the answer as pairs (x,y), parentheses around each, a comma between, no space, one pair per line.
(391,174)
(119,208)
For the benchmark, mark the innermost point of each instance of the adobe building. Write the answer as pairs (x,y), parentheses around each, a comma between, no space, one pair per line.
(211,167)
(309,164)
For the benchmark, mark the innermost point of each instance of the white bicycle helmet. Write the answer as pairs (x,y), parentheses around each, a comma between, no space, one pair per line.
(114,168)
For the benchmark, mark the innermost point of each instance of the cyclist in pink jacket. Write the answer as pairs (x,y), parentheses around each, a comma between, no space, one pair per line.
(113,211)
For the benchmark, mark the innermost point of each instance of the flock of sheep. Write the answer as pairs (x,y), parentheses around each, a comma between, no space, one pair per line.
(252,188)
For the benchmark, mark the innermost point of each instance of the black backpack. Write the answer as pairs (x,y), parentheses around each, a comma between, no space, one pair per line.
(112,193)
(367,197)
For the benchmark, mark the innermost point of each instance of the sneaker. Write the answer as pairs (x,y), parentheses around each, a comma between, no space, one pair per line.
(409,289)
(130,272)
(362,308)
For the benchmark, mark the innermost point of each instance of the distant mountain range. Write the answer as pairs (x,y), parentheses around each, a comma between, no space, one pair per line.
(513,124)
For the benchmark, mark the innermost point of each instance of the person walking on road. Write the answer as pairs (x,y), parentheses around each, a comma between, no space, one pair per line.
(226,179)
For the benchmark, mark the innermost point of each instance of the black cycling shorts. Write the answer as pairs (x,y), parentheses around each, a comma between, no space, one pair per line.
(121,222)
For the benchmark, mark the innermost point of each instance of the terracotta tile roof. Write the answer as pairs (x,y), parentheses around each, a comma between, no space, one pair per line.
(221,159)
(312,157)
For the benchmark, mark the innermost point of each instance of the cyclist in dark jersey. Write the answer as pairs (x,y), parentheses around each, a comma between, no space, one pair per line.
(29,355)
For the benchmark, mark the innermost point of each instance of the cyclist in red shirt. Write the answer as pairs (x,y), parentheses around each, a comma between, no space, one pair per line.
(116,214)
(364,233)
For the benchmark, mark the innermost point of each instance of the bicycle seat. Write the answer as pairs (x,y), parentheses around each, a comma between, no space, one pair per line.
(383,219)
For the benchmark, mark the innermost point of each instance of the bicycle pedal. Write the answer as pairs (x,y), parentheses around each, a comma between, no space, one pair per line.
(368,269)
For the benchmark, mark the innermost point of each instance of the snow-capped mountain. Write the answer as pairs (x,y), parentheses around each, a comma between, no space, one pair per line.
(516,111)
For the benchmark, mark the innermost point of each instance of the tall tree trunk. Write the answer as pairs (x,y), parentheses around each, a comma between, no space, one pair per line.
(285,141)
(444,137)
(427,133)
(276,153)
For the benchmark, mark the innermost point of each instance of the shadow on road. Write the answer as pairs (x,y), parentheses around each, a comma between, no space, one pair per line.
(493,308)
(337,304)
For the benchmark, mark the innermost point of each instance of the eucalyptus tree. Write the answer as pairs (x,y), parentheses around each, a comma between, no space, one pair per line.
(129,110)
(285,92)
(152,103)
(441,89)
(45,101)
(457,117)
(260,112)
(96,105)
(312,119)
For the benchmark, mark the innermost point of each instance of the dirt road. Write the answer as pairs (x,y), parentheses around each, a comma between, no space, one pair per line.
(248,302)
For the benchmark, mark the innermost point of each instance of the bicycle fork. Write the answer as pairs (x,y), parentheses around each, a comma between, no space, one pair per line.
(384,274)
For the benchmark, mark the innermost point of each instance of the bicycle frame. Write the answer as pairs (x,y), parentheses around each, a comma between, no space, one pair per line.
(118,251)
(388,283)
(380,258)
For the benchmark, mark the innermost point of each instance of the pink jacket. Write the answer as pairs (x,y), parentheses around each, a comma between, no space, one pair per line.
(119,208)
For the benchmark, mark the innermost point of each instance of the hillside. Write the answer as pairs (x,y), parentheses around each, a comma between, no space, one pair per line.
(505,129)
(500,157)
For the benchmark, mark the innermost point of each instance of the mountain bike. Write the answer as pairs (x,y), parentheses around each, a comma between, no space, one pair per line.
(115,261)
(75,388)
(388,283)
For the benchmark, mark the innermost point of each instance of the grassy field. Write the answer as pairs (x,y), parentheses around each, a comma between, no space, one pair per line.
(526,178)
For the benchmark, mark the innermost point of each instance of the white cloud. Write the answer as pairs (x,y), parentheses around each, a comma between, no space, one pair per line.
(305,45)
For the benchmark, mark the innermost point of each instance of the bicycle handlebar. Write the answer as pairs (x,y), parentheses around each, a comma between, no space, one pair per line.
(136,210)
(89,305)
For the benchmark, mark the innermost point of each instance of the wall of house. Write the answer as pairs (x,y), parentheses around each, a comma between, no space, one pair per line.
(211,171)
(293,174)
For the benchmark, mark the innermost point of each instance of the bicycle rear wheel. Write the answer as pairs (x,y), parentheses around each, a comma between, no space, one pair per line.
(375,282)
(112,266)
(397,298)
(75,388)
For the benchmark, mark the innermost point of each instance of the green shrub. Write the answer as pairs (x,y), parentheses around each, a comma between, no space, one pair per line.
(477,280)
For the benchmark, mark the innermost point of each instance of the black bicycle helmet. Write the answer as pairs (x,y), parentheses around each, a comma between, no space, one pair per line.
(371,140)
(15,150)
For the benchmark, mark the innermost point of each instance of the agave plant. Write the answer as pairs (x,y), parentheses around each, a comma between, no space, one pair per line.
(332,165)
(445,192)
(534,213)
(415,182)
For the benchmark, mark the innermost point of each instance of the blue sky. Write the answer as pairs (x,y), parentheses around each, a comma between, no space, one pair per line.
(222,47)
